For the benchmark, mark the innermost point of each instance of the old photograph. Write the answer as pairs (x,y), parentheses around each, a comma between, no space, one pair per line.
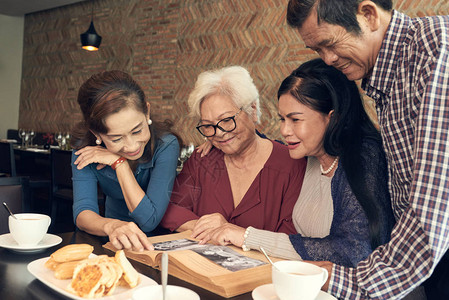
(227,258)
(181,244)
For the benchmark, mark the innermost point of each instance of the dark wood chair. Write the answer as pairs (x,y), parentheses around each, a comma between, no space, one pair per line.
(61,196)
(36,166)
(14,191)
(7,160)
(13,134)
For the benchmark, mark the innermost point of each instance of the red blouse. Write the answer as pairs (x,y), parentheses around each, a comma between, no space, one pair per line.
(203,187)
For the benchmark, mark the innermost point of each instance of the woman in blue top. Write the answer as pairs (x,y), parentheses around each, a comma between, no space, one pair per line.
(132,158)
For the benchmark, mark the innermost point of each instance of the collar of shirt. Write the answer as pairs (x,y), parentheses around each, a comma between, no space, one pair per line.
(146,165)
(150,164)
(380,81)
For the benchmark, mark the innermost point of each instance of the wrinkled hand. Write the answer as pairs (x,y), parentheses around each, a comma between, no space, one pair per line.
(204,148)
(95,154)
(325,265)
(225,235)
(207,223)
(126,235)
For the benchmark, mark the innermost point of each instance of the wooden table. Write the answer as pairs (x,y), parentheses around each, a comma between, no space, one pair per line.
(17,283)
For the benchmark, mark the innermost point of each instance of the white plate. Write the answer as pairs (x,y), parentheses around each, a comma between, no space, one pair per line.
(49,240)
(37,150)
(8,140)
(37,269)
(267,292)
(173,292)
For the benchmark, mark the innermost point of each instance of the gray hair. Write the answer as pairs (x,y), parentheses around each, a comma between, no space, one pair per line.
(234,82)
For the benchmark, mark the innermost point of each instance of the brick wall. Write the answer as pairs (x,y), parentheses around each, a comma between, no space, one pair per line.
(164,44)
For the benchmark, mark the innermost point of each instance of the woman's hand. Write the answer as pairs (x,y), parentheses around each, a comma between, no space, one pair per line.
(207,223)
(225,235)
(126,235)
(95,154)
(204,148)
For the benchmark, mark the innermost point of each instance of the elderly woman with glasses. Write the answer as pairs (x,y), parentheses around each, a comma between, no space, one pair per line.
(245,179)
(344,210)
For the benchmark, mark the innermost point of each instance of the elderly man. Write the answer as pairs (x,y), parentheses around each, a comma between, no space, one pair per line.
(404,64)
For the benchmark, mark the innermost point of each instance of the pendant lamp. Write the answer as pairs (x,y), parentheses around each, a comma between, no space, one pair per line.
(90,40)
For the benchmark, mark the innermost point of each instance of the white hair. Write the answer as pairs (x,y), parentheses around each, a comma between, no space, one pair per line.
(234,82)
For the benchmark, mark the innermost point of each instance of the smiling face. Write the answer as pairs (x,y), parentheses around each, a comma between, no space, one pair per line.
(302,128)
(217,107)
(128,133)
(354,55)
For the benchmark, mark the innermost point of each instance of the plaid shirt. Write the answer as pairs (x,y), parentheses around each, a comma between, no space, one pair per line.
(410,84)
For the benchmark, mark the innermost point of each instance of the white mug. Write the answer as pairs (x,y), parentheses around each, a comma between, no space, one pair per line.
(297,280)
(28,229)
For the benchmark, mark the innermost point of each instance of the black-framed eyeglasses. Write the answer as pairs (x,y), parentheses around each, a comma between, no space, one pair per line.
(226,125)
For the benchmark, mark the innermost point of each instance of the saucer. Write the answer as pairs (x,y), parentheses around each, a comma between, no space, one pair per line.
(49,240)
(267,292)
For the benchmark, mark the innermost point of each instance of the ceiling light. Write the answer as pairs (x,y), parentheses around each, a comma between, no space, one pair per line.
(90,40)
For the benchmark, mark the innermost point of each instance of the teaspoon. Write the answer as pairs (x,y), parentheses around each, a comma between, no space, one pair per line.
(164,274)
(266,255)
(10,212)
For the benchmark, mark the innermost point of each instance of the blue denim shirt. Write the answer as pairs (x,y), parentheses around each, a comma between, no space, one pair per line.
(155,178)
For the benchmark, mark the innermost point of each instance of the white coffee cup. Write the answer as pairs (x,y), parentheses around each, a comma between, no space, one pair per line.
(28,229)
(297,280)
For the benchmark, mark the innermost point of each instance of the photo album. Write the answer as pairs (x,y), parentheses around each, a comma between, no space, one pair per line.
(225,270)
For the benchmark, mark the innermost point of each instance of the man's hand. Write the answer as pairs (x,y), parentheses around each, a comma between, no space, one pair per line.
(325,265)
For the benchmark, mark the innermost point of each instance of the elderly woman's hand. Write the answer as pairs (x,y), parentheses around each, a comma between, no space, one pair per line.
(95,154)
(207,223)
(204,148)
(127,235)
(225,235)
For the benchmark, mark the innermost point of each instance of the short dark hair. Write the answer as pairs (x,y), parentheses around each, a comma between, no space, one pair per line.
(323,89)
(336,12)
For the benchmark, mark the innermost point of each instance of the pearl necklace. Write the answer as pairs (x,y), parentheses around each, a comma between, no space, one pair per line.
(325,172)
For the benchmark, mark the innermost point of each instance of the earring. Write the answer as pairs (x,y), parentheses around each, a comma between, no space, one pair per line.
(98,142)
(150,122)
